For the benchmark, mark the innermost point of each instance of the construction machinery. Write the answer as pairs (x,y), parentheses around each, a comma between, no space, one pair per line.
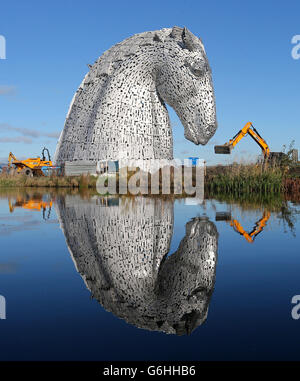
(258,227)
(247,129)
(30,167)
(36,203)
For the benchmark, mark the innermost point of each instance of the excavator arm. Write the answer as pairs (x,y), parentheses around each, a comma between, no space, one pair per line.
(258,228)
(259,225)
(249,236)
(11,158)
(239,229)
(247,129)
(260,141)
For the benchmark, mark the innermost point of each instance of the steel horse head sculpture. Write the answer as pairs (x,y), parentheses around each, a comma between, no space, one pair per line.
(119,110)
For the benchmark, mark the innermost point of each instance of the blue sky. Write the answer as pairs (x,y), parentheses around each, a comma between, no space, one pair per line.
(49,45)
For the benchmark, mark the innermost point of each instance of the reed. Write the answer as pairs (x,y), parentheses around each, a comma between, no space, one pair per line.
(235,179)
(245,179)
(47,182)
(272,202)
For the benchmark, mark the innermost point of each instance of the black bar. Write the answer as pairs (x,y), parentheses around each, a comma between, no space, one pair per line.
(142,368)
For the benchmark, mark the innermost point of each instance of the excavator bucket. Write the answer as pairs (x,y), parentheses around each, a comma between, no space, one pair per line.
(224,149)
(223,216)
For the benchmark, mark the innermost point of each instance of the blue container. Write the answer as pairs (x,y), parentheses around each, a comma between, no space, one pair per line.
(194,160)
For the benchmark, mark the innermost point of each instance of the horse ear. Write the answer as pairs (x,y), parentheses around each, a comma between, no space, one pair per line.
(176,33)
(191,42)
(157,38)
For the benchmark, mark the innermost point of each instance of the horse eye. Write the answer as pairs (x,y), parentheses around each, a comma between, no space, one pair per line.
(197,72)
(198,68)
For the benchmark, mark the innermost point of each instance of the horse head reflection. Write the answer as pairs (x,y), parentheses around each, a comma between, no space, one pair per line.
(121,249)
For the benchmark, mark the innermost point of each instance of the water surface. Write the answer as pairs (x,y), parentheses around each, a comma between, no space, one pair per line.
(91,278)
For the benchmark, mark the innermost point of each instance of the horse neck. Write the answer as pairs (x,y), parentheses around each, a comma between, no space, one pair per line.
(133,84)
(130,88)
(131,100)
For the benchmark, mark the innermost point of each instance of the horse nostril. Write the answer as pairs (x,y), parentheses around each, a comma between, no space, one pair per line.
(211,129)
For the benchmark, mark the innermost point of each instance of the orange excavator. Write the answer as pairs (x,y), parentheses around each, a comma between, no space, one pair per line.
(247,129)
(250,237)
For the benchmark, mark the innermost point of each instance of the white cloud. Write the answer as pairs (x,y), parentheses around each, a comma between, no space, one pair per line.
(28,132)
(7,90)
(16,139)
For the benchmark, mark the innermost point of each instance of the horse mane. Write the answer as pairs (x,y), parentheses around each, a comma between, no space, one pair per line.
(105,66)
(112,59)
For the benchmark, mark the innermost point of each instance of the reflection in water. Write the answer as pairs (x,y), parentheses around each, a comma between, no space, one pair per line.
(286,210)
(288,215)
(32,203)
(237,227)
(121,247)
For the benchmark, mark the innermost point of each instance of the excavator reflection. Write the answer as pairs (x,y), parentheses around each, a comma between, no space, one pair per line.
(258,227)
(34,203)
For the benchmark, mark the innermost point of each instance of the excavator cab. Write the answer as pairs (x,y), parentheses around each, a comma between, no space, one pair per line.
(48,154)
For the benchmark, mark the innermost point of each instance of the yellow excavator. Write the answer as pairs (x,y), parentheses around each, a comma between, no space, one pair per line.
(247,129)
(35,203)
(29,167)
(258,227)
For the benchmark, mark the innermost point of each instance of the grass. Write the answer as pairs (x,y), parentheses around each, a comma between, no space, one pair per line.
(79,182)
(83,181)
(245,179)
(235,179)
